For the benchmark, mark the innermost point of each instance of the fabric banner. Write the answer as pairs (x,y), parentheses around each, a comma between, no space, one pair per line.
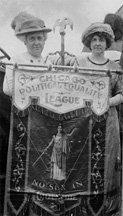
(61,92)
(57,146)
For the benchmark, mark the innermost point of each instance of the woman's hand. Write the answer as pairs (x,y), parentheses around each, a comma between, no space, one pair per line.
(114,101)
(56,59)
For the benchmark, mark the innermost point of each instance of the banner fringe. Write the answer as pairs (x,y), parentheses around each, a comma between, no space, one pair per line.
(86,111)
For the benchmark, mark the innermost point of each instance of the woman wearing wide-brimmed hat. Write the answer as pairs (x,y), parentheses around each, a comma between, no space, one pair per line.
(33,33)
(98,37)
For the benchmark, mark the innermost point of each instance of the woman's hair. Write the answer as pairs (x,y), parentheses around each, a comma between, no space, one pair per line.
(101,35)
(116,23)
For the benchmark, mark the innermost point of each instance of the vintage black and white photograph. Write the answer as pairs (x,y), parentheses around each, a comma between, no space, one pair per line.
(61,108)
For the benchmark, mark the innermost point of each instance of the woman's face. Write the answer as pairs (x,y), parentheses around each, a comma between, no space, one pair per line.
(98,44)
(35,43)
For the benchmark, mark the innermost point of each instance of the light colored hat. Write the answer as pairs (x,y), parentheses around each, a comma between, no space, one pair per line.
(25,23)
(94,28)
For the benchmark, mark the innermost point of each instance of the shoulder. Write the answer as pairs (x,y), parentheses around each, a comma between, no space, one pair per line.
(82,61)
(114,65)
(19,58)
(116,78)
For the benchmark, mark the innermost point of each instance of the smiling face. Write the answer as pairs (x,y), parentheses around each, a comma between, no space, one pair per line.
(35,43)
(98,44)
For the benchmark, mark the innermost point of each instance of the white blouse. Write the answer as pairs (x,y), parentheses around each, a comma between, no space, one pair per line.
(24,58)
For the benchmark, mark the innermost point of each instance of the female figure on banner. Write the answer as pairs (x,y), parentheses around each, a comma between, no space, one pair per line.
(58,157)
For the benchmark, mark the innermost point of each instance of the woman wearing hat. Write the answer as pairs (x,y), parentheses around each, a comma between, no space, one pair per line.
(33,33)
(98,37)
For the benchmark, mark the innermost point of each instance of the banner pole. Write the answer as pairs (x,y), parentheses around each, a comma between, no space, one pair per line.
(90,70)
(62,24)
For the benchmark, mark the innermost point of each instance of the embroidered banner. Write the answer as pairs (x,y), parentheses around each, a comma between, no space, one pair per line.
(59,163)
(61,92)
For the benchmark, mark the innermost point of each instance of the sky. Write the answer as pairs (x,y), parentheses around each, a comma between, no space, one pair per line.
(81,12)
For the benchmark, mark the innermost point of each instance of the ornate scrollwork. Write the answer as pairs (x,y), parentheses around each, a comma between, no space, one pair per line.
(20,152)
(97,179)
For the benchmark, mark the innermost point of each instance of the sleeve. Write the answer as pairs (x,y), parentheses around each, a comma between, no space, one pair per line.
(121,60)
(119,85)
(8,80)
(82,61)
(117,81)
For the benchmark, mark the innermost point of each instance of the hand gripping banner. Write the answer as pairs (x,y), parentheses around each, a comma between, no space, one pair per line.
(57,143)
